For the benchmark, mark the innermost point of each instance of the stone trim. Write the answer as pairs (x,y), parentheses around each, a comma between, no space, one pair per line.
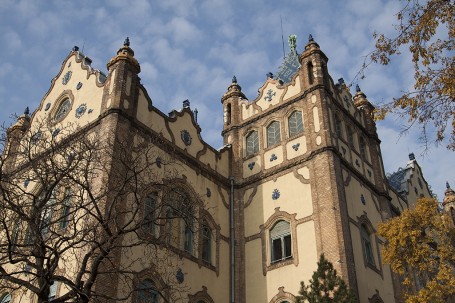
(201,295)
(283,295)
(265,240)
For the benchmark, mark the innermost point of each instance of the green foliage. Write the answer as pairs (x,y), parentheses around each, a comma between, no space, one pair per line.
(420,248)
(325,286)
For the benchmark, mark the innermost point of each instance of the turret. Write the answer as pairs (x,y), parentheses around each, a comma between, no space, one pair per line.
(121,90)
(449,203)
(232,109)
(14,136)
(313,65)
(362,104)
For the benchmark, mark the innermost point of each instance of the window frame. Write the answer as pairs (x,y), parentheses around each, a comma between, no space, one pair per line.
(299,130)
(206,242)
(283,240)
(275,136)
(254,143)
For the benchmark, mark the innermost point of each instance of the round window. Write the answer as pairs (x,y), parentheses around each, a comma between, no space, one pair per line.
(62,110)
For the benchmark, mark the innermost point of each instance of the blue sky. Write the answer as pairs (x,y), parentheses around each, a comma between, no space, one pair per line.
(190,49)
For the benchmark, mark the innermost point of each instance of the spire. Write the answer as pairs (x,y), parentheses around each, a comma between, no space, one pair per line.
(27,111)
(125,53)
(311,43)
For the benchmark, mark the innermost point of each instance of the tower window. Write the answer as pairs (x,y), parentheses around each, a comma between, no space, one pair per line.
(273,133)
(228,114)
(295,123)
(310,73)
(252,143)
(66,206)
(280,239)
(366,244)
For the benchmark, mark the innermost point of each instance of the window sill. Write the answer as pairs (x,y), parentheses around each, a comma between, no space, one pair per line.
(280,263)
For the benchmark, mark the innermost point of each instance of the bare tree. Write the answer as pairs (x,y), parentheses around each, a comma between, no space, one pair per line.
(87,211)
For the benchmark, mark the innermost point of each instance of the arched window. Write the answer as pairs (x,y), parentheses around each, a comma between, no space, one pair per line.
(273,133)
(310,72)
(206,242)
(295,123)
(147,293)
(366,244)
(5,298)
(338,126)
(280,239)
(362,147)
(252,143)
(148,223)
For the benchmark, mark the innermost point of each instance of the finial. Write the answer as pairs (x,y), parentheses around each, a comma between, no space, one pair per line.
(26,111)
(75,48)
(292,40)
(269,75)
(310,38)
(126,42)
(234,79)
(195,111)
(411,156)
(447,185)
(186,104)
(357,88)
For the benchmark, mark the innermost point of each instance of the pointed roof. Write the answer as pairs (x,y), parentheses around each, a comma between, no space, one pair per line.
(125,53)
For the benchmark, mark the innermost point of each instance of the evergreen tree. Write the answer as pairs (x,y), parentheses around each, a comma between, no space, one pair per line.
(325,286)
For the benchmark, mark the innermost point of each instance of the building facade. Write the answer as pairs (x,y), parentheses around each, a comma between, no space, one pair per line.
(300,174)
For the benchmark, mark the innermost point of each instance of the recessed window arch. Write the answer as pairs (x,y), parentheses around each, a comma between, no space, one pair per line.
(273,133)
(295,123)
(252,143)
(228,114)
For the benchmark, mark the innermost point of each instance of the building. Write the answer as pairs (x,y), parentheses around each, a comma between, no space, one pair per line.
(300,174)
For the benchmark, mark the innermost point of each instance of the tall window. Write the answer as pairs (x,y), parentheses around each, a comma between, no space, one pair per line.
(252,143)
(362,147)
(148,223)
(228,114)
(350,136)
(338,126)
(206,242)
(180,219)
(295,123)
(280,238)
(47,211)
(273,133)
(66,206)
(147,293)
(366,243)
